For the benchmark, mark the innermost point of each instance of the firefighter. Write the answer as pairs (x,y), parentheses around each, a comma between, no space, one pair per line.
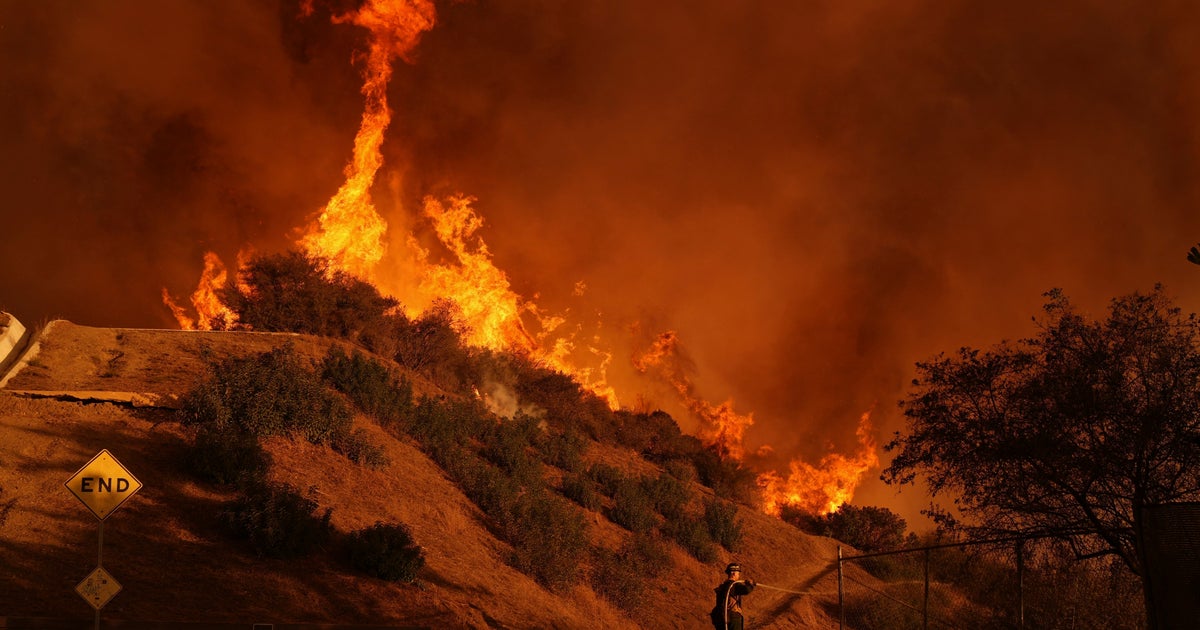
(727,614)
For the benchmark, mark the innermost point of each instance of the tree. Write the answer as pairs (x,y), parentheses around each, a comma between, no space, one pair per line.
(294,292)
(868,529)
(1066,434)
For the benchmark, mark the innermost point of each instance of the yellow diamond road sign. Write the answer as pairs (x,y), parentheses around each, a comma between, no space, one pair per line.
(103,484)
(98,588)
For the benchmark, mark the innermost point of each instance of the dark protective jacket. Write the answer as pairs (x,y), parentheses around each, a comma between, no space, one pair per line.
(729,601)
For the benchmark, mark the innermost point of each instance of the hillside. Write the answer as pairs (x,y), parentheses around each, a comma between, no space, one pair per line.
(83,389)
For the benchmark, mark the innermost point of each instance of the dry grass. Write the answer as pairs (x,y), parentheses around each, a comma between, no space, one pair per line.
(168,549)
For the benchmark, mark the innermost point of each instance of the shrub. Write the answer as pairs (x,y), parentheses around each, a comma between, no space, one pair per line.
(607,478)
(692,535)
(432,346)
(620,576)
(386,551)
(486,485)
(228,455)
(563,449)
(582,490)
(728,478)
(278,521)
(681,469)
(865,528)
(358,448)
(297,293)
(723,526)
(440,424)
(549,539)
(508,444)
(268,394)
(369,385)
(632,508)
(668,495)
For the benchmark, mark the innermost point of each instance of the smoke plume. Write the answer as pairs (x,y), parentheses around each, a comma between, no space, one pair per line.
(812,195)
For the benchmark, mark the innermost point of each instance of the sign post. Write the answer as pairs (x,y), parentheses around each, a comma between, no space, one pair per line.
(102,485)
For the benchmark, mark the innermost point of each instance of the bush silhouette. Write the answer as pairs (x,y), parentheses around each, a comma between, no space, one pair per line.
(296,293)
(278,521)
(370,385)
(385,551)
(720,518)
(228,455)
(268,394)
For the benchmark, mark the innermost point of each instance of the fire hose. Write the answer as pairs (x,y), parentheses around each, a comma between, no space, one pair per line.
(785,590)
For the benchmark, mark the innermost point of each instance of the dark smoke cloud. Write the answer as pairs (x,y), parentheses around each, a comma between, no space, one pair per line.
(813,194)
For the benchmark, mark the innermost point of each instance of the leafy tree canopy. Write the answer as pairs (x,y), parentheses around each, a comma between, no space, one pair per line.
(1068,433)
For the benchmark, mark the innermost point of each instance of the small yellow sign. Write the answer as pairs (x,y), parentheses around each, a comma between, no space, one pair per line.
(103,484)
(98,588)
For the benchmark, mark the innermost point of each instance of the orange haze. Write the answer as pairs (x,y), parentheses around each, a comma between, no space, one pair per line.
(808,196)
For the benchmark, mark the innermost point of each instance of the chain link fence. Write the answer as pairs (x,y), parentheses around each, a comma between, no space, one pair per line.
(1002,584)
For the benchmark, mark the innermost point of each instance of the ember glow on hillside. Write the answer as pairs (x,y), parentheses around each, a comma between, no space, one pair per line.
(811,197)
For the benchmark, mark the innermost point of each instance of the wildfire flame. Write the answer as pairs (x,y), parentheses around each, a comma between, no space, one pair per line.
(819,489)
(720,425)
(349,233)
(823,488)
(210,311)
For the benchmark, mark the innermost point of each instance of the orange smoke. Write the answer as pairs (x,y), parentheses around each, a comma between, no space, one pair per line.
(815,489)
(823,488)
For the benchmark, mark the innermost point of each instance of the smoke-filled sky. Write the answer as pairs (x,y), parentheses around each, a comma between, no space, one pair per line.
(814,194)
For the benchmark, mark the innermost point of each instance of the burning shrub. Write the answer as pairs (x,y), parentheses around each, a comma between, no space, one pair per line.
(385,551)
(278,521)
(296,293)
(370,385)
(723,525)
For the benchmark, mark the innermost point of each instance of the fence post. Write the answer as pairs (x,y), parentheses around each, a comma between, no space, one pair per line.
(841,594)
(925,604)
(1021,584)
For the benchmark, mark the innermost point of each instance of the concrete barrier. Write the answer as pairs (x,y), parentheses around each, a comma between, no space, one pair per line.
(11,333)
(13,338)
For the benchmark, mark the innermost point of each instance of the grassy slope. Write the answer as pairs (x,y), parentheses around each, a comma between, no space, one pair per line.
(167,549)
